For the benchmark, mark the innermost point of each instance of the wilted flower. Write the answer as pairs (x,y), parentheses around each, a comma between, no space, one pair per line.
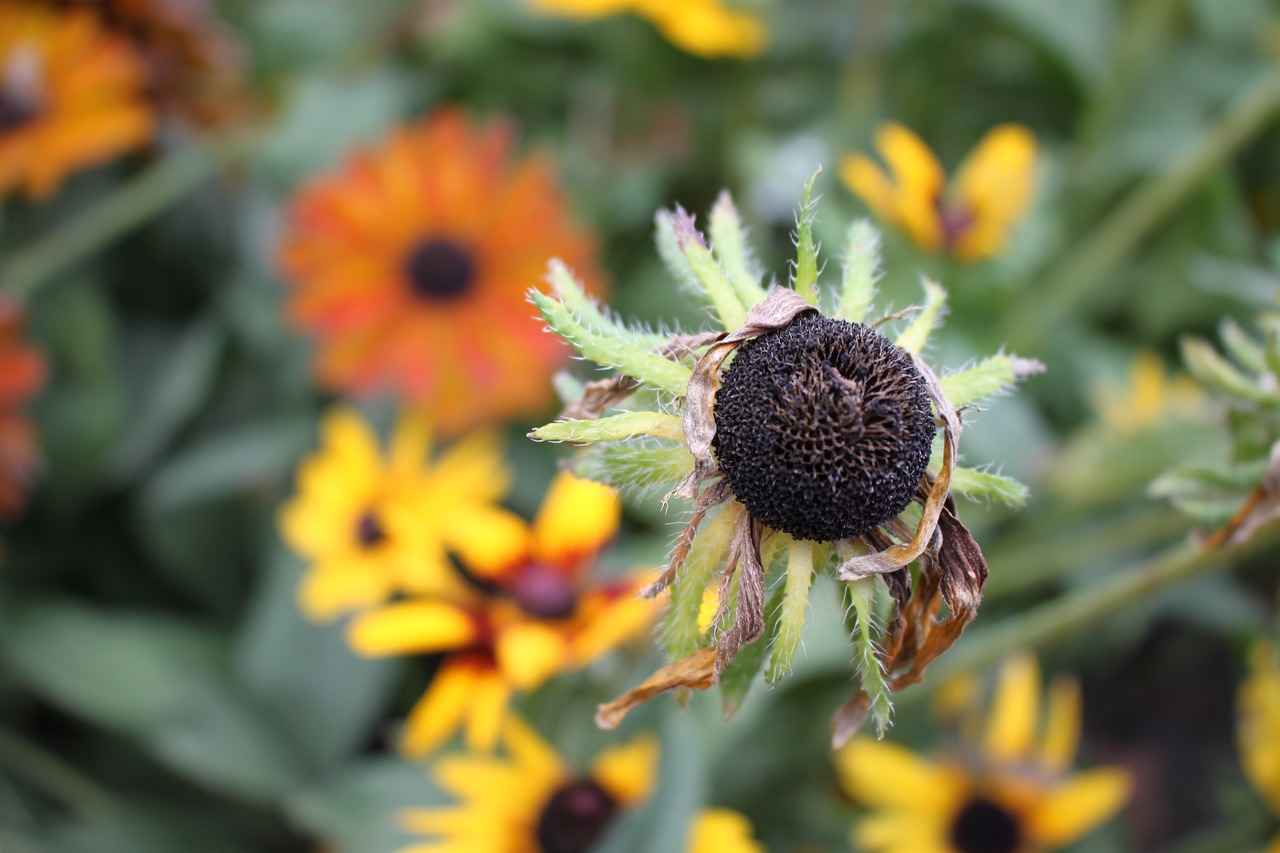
(410,264)
(819,442)
(531,802)
(1259,731)
(1003,791)
(71,96)
(22,371)
(972,216)
(707,28)
(374,524)
(534,615)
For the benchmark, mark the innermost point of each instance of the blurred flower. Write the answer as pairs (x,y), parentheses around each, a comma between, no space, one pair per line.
(22,371)
(707,28)
(1259,731)
(374,524)
(194,66)
(1149,395)
(816,441)
(411,263)
(538,616)
(530,802)
(1004,792)
(972,216)
(70,96)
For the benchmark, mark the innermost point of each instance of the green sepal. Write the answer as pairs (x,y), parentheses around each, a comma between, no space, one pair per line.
(987,378)
(1244,349)
(1209,494)
(714,280)
(984,485)
(628,359)
(612,428)
(741,673)
(806,273)
(1210,368)
(588,313)
(664,236)
(636,466)
(794,607)
(680,634)
(861,271)
(729,244)
(860,597)
(916,335)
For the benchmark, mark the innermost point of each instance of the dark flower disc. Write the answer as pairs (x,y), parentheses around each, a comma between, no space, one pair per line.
(575,817)
(982,826)
(823,428)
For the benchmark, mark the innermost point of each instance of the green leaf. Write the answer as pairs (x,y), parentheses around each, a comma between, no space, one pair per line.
(916,335)
(681,636)
(354,810)
(581,306)
(612,428)
(713,278)
(1207,365)
(650,368)
(795,605)
(983,485)
(861,598)
(1247,352)
(861,271)
(987,378)
(729,243)
(805,281)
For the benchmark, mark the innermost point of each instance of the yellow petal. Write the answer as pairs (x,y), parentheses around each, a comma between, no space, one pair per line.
(527,748)
(619,621)
(412,627)
(336,587)
(488,708)
(706,27)
(584,9)
(1014,710)
(865,179)
(410,445)
(880,773)
(995,186)
(902,832)
(1078,805)
(529,653)
(1259,730)
(488,539)
(722,831)
(440,710)
(577,518)
(1061,726)
(914,166)
(627,772)
(348,437)
(474,467)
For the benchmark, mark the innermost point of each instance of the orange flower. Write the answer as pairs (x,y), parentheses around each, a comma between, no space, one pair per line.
(22,371)
(70,96)
(410,265)
(541,619)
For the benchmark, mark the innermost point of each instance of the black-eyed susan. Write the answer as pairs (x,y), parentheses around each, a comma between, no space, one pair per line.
(409,265)
(821,442)
(71,96)
(706,28)
(530,801)
(1258,734)
(373,524)
(972,216)
(538,615)
(22,371)
(1005,790)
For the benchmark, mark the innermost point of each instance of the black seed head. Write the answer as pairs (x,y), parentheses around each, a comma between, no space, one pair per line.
(575,817)
(823,428)
(982,826)
(440,270)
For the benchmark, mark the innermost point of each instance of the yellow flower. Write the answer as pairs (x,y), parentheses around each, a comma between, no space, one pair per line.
(1149,395)
(530,801)
(71,96)
(706,28)
(1008,792)
(1259,732)
(373,524)
(540,618)
(972,216)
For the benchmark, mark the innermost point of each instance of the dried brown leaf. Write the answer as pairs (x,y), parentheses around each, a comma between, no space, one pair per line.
(696,672)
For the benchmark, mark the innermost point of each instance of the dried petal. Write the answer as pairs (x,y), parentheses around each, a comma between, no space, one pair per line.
(697,672)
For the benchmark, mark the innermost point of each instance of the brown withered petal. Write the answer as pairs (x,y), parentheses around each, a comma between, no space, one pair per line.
(709,498)
(748,623)
(698,671)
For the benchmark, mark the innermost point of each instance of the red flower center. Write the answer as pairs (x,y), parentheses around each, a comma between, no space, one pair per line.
(575,817)
(956,219)
(985,827)
(543,592)
(440,270)
(369,531)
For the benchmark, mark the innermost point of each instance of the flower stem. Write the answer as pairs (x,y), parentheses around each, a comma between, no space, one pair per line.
(1090,605)
(105,221)
(51,774)
(1083,270)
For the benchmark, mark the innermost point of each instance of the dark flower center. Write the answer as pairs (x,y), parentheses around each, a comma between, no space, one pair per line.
(956,220)
(20,101)
(440,270)
(575,817)
(543,592)
(823,428)
(985,827)
(369,531)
